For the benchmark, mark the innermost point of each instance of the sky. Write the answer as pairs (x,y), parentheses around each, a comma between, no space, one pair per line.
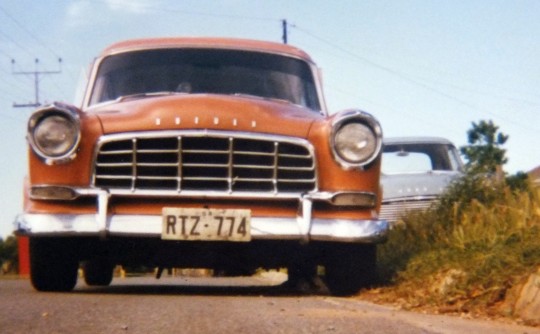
(422,67)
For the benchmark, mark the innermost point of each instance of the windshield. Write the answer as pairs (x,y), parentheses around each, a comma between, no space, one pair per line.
(205,71)
(413,158)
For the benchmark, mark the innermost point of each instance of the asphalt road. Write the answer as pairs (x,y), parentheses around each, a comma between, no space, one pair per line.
(212,305)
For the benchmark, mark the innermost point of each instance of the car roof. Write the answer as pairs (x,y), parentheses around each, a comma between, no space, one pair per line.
(416,140)
(205,42)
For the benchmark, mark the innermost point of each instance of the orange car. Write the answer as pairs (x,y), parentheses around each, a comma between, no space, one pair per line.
(202,153)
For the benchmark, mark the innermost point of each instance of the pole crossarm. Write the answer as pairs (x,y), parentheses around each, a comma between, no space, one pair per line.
(36,73)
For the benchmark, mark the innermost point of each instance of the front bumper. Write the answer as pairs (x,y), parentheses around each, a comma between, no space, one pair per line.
(303,227)
(360,231)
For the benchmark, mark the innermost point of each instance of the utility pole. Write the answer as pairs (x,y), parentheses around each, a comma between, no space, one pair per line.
(284,26)
(36,73)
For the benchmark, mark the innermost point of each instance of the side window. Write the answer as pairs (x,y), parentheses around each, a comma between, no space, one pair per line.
(81,87)
(455,160)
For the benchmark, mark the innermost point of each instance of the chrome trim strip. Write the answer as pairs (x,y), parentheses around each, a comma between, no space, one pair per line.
(205,133)
(103,205)
(262,228)
(97,192)
(353,115)
(304,221)
(201,194)
(71,114)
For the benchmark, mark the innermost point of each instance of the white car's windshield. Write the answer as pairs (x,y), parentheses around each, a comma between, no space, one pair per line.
(205,71)
(421,157)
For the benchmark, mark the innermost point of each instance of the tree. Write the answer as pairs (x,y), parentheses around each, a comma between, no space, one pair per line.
(484,153)
(486,156)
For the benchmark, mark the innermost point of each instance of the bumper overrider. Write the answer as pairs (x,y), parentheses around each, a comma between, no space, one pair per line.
(303,227)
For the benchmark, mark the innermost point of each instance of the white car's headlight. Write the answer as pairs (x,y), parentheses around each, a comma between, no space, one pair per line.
(54,134)
(356,139)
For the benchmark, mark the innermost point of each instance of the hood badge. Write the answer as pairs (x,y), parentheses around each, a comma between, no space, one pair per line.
(216,121)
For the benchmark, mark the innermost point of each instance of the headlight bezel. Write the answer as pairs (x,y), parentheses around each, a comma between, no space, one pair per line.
(351,117)
(70,120)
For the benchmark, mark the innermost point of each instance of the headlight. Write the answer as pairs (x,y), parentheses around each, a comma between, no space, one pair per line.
(356,139)
(54,133)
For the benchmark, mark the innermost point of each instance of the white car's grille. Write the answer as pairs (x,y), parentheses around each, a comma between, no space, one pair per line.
(209,162)
(392,211)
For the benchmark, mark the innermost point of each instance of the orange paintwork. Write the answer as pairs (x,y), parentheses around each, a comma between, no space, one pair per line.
(331,176)
(204,111)
(198,42)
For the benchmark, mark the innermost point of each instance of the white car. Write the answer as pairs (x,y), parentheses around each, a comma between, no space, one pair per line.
(415,172)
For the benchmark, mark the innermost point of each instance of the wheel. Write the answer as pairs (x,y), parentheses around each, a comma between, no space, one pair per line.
(98,272)
(301,271)
(349,268)
(53,264)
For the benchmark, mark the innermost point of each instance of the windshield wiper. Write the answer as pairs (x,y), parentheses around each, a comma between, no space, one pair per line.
(266,98)
(144,95)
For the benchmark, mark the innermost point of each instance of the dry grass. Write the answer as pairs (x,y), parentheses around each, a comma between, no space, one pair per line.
(465,254)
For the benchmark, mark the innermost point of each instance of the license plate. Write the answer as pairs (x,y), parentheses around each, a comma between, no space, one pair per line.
(206,224)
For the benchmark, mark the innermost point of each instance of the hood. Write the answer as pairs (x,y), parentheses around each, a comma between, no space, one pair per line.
(206,111)
(430,184)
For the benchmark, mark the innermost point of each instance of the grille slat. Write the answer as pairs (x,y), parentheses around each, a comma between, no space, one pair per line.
(208,165)
(393,211)
(148,164)
(114,164)
(117,152)
(204,163)
(156,178)
(112,177)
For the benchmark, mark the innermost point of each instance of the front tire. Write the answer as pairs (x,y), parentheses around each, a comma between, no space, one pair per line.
(98,272)
(53,264)
(349,268)
(300,272)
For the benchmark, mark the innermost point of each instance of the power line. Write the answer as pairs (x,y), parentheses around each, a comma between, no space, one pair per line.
(6,54)
(10,83)
(33,36)
(17,44)
(22,27)
(197,13)
(480,92)
(407,78)
(36,75)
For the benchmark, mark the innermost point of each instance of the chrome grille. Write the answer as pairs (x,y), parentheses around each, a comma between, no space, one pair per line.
(211,162)
(393,211)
